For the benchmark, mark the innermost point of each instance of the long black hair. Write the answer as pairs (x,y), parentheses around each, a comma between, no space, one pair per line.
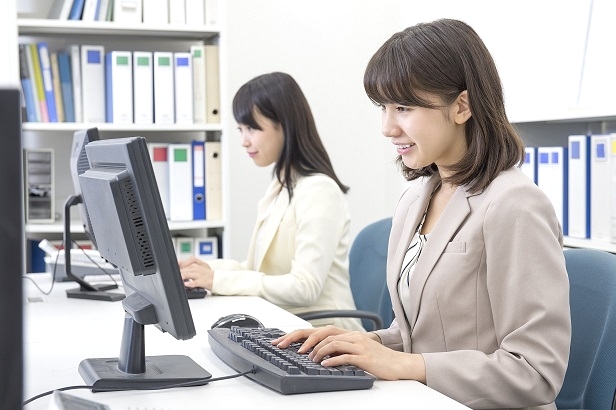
(278,97)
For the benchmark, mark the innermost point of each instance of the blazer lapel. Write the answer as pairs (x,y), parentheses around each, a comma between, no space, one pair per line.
(448,224)
(268,220)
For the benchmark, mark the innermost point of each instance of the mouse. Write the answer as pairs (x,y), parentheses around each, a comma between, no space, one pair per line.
(196,293)
(237,319)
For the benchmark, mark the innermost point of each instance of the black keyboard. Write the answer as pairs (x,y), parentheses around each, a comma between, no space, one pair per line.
(283,370)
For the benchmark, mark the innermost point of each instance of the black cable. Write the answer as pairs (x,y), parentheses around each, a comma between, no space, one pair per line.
(53,277)
(199,382)
(95,263)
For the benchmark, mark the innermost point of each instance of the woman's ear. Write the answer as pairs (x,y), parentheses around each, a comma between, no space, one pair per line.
(462,108)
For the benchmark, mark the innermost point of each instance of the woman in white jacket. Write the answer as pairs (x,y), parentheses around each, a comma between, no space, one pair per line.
(298,254)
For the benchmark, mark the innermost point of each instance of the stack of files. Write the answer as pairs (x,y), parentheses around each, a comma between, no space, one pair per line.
(50,98)
(529,166)
(579,186)
(33,65)
(27,87)
(189,179)
(601,187)
(552,178)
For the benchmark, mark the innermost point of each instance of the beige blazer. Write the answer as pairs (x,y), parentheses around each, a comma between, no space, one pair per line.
(298,254)
(489,297)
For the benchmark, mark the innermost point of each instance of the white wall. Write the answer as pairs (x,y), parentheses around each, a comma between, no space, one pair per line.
(9,68)
(325,46)
(538,47)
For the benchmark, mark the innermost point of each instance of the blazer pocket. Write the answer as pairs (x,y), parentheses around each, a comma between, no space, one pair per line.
(456,247)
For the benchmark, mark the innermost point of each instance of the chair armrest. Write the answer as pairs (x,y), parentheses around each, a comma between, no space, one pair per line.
(360,314)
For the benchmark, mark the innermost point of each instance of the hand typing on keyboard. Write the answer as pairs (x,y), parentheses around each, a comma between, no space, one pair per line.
(331,346)
(285,370)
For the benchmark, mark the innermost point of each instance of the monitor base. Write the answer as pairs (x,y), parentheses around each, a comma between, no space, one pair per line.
(161,371)
(100,294)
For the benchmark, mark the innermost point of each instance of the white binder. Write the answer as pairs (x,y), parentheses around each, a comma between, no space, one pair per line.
(164,106)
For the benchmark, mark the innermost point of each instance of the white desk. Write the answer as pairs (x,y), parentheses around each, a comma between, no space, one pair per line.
(60,332)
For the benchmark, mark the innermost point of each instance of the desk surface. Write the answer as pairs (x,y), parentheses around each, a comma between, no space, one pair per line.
(60,332)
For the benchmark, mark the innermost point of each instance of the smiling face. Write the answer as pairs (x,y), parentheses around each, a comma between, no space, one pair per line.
(263,145)
(424,136)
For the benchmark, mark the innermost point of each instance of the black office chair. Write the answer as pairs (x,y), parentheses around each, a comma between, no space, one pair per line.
(590,381)
(367,268)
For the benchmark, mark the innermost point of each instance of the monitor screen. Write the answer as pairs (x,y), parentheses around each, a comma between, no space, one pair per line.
(126,212)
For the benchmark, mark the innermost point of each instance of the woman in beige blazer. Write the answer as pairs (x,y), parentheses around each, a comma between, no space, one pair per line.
(475,266)
(298,255)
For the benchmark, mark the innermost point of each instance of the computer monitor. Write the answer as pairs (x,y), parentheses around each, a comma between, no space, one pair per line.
(131,232)
(11,251)
(78,165)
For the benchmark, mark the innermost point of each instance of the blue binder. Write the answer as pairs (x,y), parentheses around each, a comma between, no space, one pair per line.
(198,179)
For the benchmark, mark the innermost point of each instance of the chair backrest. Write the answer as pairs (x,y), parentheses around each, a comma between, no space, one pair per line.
(367,268)
(590,381)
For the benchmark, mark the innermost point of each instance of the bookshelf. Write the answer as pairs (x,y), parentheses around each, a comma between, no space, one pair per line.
(59,34)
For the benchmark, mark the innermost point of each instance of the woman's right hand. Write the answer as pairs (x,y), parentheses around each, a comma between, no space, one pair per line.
(196,273)
(312,337)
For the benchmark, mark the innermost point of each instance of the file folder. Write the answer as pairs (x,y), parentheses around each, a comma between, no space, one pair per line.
(93,83)
(119,87)
(50,98)
(579,186)
(163,88)
(552,176)
(213,180)
(198,178)
(143,87)
(159,155)
(183,74)
(180,182)
(600,190)
(184,247)
(529,167)
(206,248)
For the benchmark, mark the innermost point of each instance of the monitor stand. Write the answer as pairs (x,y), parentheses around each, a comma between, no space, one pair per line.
(85,290)
(133,370)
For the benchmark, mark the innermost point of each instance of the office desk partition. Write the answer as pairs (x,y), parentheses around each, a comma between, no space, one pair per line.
(60,332)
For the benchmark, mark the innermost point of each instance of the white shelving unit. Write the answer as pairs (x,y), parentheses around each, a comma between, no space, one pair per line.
(113,36)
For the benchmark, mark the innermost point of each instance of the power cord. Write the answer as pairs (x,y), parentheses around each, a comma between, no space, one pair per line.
(55,266)
(199,382)
(53,277)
